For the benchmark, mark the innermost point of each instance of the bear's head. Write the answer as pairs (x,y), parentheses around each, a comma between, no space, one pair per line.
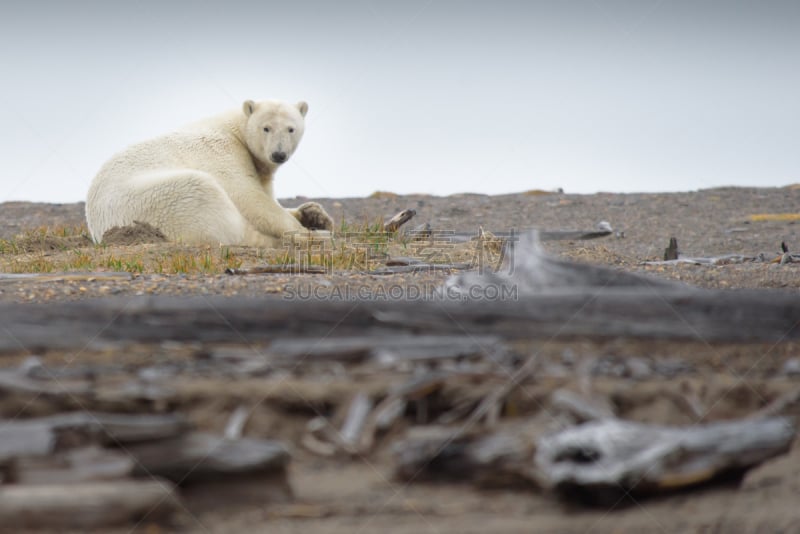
(273,129)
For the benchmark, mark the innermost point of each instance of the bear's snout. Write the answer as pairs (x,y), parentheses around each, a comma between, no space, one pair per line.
(279,157)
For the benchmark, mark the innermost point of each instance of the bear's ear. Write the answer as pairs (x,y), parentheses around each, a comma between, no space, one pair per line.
(303,107)
(248,107)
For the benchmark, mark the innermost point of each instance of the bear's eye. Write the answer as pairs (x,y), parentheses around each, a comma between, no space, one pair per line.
(291,130)
(266,129)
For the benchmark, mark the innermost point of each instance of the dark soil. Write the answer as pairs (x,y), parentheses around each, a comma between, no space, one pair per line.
(136,234)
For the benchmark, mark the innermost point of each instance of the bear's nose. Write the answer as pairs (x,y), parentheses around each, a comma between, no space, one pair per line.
(279,157)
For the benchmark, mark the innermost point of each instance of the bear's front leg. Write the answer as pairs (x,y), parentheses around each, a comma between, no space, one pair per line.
(312,216)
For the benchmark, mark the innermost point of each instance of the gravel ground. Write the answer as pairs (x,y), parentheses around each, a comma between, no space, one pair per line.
(359,496)
(706,223)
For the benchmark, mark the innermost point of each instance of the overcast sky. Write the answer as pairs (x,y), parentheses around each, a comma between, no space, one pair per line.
(427,96)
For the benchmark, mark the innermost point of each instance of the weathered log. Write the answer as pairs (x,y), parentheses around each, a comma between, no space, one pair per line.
(199,457)
(419,232)
(603,460)
(288,268)
(596,463)
(757,315)
(218,472)
(573,235)
(726,259)
(15,381)
(397,261)
(671,252)
(85,464)
(437,453)
(90,505)
(45,435)
(362,422)
(529,271)
(544,235)
(579,408)
(421,268)
(398,220)
(386,349)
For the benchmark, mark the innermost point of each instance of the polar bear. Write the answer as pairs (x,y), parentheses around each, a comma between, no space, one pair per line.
(209,182)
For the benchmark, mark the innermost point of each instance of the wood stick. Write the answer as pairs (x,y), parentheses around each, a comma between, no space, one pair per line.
(289,268)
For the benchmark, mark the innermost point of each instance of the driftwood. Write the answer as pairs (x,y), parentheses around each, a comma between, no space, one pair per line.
(575,235)
(42,460)
(362,420)
(213,471)
(579,408)
(419,232)
(421,268)
(401,261)
(386,349)
(671,252)
(595,463)
(502,458)
(354,422)
(235,426)
(16,381)
(672,256)
(603,460)
(726,259)
(289,268)
(198,457)
(84,464)
(603,230)
(85,506)
(528,271)
(393,224)
(46,435)
(646,312)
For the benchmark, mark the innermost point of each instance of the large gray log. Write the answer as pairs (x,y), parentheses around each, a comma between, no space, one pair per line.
(639,312)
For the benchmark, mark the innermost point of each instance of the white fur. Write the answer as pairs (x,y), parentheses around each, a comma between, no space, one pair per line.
(210,182)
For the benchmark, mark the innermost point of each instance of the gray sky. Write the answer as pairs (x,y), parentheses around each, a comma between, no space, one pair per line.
(428,96)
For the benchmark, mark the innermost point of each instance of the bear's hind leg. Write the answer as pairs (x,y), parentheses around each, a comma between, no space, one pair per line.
(186,205)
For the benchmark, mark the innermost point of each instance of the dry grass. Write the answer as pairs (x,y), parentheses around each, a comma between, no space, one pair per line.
(774,217)
(383,195)
(134,259)
(60,249)
(537,192)
(355,246)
